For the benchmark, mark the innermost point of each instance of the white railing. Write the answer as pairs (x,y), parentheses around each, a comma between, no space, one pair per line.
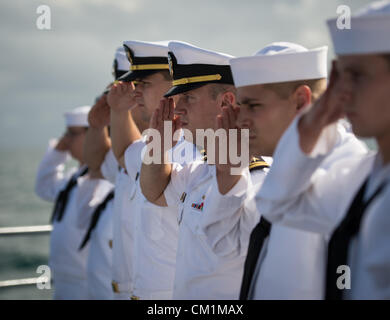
(23,231)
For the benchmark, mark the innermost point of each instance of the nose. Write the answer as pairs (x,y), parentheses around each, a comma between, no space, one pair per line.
(181,106)
(138,90)
(343,89)
(244,119)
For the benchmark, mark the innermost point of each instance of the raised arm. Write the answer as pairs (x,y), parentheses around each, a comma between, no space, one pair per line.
(124,131)
(226,180)
(97,141)
(327,110)
(226,220)
(155,177)
(311,168)
(51,174)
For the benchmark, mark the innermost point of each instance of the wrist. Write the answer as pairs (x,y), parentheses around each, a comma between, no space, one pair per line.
(309,131)
(120,109)
(97,126)
(60,148)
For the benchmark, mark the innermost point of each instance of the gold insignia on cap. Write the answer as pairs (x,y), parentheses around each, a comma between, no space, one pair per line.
(170,64)
(114,67)
(211,77)
(129,55)
(155,66)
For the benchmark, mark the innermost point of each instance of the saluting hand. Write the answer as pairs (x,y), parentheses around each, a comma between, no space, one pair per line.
(64,143)
(165,112)
(223,162)
(327,110)
(99,115)
(226,121)
(121,96)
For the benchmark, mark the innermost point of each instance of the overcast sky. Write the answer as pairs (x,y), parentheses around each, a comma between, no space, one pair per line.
(46,72)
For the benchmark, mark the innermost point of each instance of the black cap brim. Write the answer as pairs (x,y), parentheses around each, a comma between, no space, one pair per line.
(136,74)
(120,73)
(184,88)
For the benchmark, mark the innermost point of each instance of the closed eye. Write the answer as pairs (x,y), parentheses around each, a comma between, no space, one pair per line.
(357,75)
(354,74)
(254,105)
(188,97)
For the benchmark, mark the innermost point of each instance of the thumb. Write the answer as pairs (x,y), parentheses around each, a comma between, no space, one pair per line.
(153,119)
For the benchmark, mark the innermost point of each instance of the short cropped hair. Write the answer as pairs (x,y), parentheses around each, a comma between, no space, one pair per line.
(167,76)
(218,88)
(285,89)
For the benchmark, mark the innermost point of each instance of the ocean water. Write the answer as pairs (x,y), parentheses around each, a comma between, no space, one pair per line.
(19,206)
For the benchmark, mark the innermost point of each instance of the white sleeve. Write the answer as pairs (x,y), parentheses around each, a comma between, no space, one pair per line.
(226,221)
(374,282)
(90,193)
(51,176)
(303,191)
(184,157)
(133,157)
(110,167)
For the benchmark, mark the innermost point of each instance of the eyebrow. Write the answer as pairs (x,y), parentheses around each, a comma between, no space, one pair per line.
(143,80)
(247,100)
(353,69)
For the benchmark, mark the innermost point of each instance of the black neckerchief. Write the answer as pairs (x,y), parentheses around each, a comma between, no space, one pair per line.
(95,218)
(62,198)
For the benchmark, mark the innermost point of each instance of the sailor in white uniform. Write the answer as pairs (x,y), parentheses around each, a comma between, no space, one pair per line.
(155,229)
(270,98)
(112,233)
(96,209)
(53,183)
(94,203)
(203,84)
(122,239)
(349,200)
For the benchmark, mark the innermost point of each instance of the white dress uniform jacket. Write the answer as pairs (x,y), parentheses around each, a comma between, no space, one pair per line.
(122,227)
(155,236)
(316,199)
(208,266)
(301,253)
(99,263)
(67,263)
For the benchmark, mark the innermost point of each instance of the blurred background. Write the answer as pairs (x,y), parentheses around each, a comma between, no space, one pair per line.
(46,72)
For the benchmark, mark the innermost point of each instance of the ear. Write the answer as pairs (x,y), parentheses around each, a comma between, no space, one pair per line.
(228,99)
(302,97)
